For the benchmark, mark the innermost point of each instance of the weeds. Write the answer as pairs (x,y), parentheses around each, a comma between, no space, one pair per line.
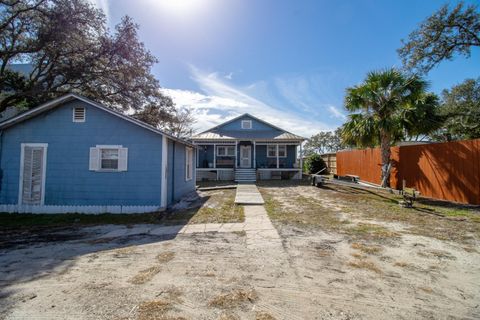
(145,275)
(233,298)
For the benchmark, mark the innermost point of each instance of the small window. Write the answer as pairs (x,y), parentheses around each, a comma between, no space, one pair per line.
(282,151)
(271,151)
(78,114)
(246,124)
(188,164)
(109,159)
(227,151)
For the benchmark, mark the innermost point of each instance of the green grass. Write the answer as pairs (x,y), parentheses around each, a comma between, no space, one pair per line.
(24,220)
(219,208)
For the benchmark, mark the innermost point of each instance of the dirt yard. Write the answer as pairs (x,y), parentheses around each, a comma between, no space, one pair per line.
(344,254)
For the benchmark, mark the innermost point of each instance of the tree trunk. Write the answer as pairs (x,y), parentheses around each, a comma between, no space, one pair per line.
(385,150)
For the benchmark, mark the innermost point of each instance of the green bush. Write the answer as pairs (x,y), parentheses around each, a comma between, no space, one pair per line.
(314,163)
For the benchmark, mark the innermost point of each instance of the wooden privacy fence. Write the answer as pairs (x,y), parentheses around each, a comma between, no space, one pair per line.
(448,171)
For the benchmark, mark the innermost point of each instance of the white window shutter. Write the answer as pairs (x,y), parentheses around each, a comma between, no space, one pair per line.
(122,159)
(94,159)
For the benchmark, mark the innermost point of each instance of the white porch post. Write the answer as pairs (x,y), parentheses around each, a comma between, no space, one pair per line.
(214,155)
(236,153)
(254,154)
(278,164)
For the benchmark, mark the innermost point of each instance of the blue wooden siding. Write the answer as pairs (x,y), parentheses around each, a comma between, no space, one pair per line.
(68,178)
(237,125)
(261,156)
(178,186)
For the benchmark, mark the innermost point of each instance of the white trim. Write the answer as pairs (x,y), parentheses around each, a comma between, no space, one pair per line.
(44,170)
(54,103)
(55,209)
(226,153)
(244,126)
(249,147)
(164,175)
(84,114)
(236,154)
(187,160)
(276,150)
(106,146)
(214,155)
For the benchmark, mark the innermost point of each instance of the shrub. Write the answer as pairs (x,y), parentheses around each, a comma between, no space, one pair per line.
(314,163)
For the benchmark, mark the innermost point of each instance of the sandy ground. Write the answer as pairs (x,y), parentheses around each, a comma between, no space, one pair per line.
(312,274)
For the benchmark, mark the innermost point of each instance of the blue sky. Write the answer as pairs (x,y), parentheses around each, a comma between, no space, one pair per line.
(287,62)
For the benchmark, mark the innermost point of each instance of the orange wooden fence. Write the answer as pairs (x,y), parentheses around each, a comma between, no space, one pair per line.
(449,171)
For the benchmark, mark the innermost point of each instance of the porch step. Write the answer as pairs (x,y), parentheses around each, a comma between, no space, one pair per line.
(245,175)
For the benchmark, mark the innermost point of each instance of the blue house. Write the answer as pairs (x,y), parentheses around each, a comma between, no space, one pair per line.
(247,148)
(75,155)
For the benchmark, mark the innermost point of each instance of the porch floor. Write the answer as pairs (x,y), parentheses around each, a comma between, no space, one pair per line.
(248,194)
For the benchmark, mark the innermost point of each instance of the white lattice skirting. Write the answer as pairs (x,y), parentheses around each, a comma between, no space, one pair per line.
(14,208)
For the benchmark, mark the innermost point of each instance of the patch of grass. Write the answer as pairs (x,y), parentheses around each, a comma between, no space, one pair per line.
(145,275)
(370,231)
(156,310)
(228,316)
(439,254)
(366,248)
(262,315)
(233,298)
(304,212)
(165,257)
(25,220)
(402,264)
(219,208)
(364,264)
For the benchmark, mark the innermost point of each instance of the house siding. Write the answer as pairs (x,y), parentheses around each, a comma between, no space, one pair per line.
(237,126)
(68,178)
(178,185)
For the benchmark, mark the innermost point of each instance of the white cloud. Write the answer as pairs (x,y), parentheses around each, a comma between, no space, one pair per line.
(336,112)
(221,102)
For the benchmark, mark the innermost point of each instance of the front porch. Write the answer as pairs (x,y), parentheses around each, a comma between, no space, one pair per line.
(225,160)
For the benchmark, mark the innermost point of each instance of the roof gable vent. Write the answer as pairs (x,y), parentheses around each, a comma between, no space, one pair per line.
(78,114)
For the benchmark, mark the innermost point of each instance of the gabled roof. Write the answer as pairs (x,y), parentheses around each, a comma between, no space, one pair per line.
(216,134)
(72,96)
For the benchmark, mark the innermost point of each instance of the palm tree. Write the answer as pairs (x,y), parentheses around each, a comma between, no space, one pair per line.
(389,106)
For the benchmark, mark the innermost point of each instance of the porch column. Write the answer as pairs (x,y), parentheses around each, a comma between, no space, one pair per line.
(214,155)
(301,159)
(278,164)
(236,153)
(254,154)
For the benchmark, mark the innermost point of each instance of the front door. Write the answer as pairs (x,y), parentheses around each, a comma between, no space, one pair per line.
(32,175)
(245,156)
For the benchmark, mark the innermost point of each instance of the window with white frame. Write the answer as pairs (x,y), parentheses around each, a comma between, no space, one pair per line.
(282,151)
(272,151)
(188,163)
(225,151)
(246,124)
(109,158)
(78,114)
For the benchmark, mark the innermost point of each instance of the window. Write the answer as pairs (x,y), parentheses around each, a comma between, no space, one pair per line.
(272,151)
(282,151)
(226,151)
(188,164)
(108,158)
(246,124)
(78,114)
